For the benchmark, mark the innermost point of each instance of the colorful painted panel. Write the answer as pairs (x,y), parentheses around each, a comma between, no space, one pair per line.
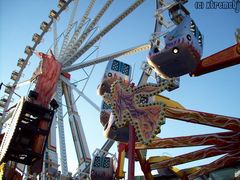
(47,75)
(127,108)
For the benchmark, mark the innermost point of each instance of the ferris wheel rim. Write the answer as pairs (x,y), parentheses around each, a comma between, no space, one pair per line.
(7,138)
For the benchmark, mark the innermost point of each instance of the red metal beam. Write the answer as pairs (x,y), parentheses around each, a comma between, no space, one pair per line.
(131,152)
(218,139)
(223,59)
(121,155)
(193,156)
(226,160)
(215,120)
(144,165)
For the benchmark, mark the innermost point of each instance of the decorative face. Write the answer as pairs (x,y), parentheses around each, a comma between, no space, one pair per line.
(105,85)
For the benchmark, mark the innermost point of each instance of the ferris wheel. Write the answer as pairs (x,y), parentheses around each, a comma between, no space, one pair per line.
(77,51)
(81,34)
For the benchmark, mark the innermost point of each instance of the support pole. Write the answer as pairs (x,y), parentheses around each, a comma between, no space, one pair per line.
(120,165)
(131,152)
(61,131)
(144,165)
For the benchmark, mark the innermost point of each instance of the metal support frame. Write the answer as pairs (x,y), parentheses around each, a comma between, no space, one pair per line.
(55,38)
(63,154)
(50,160)
(223,143)
(84,35)
(71,43)
(108,57)
(103,32)
(79,138)
(222,59)
(69,28)
(65,80)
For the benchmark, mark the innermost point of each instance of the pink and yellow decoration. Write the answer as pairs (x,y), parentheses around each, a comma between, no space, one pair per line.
(127,108)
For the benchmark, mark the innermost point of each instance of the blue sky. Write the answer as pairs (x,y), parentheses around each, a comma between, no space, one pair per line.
(217,92)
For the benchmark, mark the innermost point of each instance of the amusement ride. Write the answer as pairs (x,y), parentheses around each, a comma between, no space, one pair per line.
(131,114)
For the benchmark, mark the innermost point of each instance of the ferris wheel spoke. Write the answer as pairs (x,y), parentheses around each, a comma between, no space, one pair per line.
(70,25)
(129,51)
(75,45)
(78,30)
(67,82)
(55,38)
(103,32)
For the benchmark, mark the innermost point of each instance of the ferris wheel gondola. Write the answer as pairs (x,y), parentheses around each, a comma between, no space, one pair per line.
(182,51)
(115,70)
